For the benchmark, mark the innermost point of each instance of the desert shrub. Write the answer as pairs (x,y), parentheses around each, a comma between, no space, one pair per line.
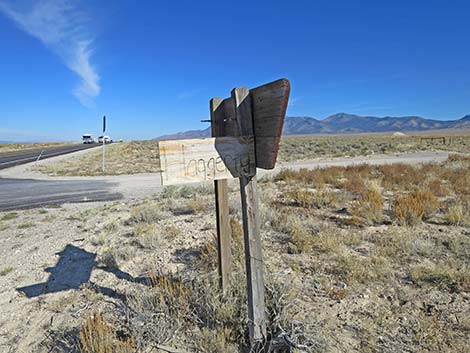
(401,176)
(353,269)
(354,183)
(6,270)
(450,275)
(26,225)
(197,205)
(458,158)
(237,229)
(285,175)
(99,336)
(301,198)
(157,313)
(192,206)
(300,236)
(9,216)
(147,213)
(412,208)
(369,206)
(329,240)
(460,181)
(149,236)
(172,192)
(171,231)
(437,187)
(283,313)
(314,177)
(458,215)
(322,197)
(170,306)
(208,257)
(210,341)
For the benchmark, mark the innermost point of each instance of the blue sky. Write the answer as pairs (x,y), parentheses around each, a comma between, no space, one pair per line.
(152,66)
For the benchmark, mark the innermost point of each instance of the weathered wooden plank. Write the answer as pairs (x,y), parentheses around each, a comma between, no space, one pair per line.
(197,160)
(269,104)
(230,123)
(251,227)
(224,233)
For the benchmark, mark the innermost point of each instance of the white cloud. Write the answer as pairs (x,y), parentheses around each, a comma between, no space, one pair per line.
(61,27)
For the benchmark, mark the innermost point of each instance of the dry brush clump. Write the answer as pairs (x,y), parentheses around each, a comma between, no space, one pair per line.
(321,197)
(97,335)
(458,213)
(412,208)
(401,176)
(369,206)
(450,275)
(148,212)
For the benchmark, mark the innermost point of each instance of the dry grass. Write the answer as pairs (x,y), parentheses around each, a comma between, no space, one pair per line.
(447,275)
(99,336)
(5,271)
(369,206)
(9,216)
(412,208)
(149,212)
(457,215)
(121,158)
(6,147)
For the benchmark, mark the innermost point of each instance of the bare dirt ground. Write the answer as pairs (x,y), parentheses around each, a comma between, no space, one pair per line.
(358,258)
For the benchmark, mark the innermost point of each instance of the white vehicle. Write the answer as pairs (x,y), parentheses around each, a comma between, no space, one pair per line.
(106,139)
(88,138)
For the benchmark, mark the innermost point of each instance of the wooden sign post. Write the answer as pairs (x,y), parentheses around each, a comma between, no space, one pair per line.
(246,130)
(224,232)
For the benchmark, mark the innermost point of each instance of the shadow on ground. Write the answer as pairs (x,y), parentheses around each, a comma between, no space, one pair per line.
(74,269)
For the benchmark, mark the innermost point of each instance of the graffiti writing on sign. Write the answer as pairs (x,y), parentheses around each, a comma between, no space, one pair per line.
(209,168)
(194,160)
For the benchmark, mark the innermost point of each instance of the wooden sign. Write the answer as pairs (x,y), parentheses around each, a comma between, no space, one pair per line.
(269,105)
(208,159)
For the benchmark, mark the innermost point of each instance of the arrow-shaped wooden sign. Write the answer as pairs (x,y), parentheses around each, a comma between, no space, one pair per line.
(231,156)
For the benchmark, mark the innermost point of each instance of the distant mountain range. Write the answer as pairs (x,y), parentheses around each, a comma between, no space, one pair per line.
(343,123)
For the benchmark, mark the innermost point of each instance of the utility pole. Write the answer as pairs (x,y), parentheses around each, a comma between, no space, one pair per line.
(104,143)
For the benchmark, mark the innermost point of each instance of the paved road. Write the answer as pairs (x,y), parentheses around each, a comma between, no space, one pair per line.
(29,193)
(12,158)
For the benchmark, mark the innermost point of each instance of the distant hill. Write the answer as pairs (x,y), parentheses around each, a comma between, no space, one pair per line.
(343,123)
(190,134)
